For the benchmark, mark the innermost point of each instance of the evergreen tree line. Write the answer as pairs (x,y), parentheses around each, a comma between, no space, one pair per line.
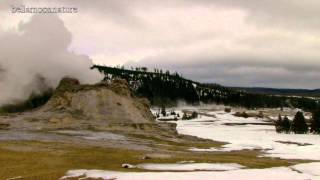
(165,88)
(299,125)
(34,101)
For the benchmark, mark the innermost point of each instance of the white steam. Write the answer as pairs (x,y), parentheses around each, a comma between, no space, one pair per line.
(39,49)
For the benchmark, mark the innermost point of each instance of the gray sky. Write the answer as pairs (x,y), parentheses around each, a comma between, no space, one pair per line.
(270,43)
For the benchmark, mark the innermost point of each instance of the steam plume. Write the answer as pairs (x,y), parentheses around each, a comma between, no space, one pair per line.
(39,49)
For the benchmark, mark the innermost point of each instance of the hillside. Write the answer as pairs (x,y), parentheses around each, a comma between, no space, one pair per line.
(286,92)
(164,88)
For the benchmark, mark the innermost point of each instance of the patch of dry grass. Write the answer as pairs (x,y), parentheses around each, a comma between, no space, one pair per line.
(50,160)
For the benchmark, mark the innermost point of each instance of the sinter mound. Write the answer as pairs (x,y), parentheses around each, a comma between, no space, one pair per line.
(112,103)
(102,106)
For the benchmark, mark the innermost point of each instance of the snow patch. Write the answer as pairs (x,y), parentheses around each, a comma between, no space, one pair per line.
(283,173)
(261,136)
(308,168)
(191,167)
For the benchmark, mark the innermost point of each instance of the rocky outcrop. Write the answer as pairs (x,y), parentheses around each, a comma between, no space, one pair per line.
(112,103)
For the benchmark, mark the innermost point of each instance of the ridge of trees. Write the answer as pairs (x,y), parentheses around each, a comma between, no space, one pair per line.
(165,88)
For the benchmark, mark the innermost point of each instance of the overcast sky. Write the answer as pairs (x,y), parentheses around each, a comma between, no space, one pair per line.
(269,43)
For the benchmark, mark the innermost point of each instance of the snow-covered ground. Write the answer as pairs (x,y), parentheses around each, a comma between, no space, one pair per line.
(240,133)
(299,172)
(191,167)
(228,128)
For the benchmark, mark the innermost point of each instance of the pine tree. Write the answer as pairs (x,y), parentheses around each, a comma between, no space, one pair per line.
(286,124)
(315,123)
(163,111)
(299,125)
(278,124)
(185,116)
(194,115)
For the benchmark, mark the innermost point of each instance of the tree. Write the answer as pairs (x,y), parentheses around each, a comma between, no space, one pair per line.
(283,125)
(244,114)
(279,124)
(286,124)
(315,122)
(227,110)
(172,112)
(194,115)
(185,116)
(299,125)
(260,115)
(163,111)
